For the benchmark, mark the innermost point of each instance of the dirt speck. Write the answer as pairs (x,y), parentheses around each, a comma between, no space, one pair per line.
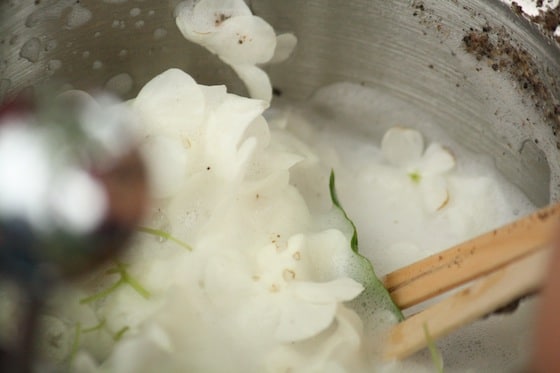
(495,46)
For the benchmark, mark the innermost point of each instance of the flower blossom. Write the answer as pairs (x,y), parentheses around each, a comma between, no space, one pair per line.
(404,148)
(228,29)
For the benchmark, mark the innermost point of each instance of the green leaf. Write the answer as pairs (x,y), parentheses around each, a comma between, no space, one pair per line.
(75,342)
(375,297)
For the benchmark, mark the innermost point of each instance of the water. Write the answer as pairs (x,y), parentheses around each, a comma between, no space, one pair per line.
(120,84)
(78,16)
(30,50)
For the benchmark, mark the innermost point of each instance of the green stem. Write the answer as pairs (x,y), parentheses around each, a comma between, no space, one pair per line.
(165,235)
(125,278)
(434,352)
(136,285)
(75,342)
(94,328)
(103,293)
(118,335)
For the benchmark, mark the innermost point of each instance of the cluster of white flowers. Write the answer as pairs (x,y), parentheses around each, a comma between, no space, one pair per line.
(228,29)
(252,293)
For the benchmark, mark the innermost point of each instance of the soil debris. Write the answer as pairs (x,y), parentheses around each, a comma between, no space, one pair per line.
(495,46)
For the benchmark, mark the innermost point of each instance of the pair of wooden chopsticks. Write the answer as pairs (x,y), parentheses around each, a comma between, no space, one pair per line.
(503,265)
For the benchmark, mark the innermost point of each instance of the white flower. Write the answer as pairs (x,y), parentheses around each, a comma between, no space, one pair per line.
(306,307)
(311,307)
(228,29)
(404,148)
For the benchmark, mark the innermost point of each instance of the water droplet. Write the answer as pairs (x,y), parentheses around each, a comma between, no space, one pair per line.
(51,45)
(51,12)
(135,12)
(123,53)
(118,24)
(54,65)
(97,65)
(85,54)
(120,84)
(30,50)
(33,19)
(139,24)
(160,33)
(14,39)
(78,16)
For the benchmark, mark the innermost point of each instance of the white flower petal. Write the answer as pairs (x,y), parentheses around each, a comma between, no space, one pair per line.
(228,127)
(402,146)
(243,40)
(214,96)
(230,122)
(166,161)
(256,80)
(171,103)
(84,363)
(201,17)
(338,290)
(301,320)
(436,160)
(140,353)
(259,129)
(285,45)
(435,192)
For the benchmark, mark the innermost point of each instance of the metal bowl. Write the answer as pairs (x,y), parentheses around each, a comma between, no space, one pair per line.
(479,70)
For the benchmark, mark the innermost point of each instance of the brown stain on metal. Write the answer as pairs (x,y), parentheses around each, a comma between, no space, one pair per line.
(495,46)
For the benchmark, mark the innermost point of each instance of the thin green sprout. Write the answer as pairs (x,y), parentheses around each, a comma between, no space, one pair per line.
(125,278)
(165,235)
(118,335)
(434,352)
(75,342)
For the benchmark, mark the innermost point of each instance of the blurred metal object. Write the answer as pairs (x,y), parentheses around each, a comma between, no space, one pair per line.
(72,190)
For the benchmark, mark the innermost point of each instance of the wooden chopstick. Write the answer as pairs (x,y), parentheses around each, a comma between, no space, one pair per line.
(465,262)
(511,261)
(486,295)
